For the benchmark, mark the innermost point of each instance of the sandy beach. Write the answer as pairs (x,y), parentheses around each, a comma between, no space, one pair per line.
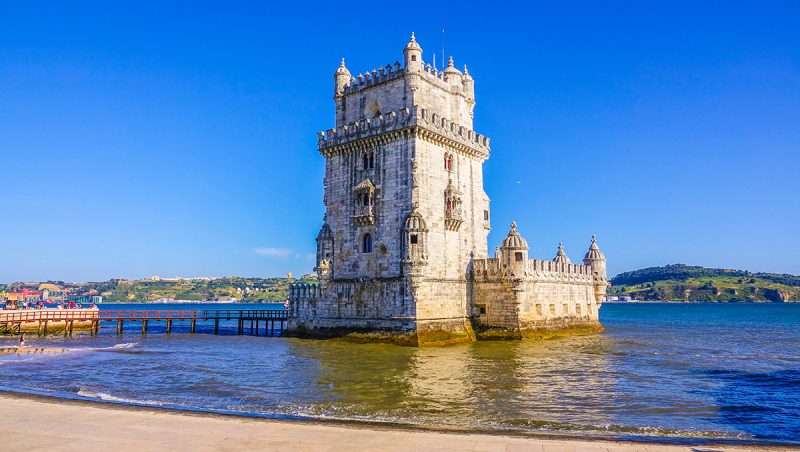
(39,423)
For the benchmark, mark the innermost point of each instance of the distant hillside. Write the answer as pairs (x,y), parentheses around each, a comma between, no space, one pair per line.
(679,282)
(253,290)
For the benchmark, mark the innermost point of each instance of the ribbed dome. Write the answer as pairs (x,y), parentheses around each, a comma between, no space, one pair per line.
(451,68)
(513,239)
(561,256)
(415,222)
(325,232)
(594,252)
(342,70)
(412,44)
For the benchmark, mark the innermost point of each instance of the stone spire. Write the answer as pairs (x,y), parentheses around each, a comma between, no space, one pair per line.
(561,256)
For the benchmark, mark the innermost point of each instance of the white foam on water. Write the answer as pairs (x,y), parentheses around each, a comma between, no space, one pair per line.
(83,392)
(126,345)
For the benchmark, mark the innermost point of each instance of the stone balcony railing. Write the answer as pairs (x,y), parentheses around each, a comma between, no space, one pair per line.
(364,216)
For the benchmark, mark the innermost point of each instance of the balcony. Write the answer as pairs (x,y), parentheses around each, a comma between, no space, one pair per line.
(364,216)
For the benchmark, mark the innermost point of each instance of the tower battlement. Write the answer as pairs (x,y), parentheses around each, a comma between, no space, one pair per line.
(460,137)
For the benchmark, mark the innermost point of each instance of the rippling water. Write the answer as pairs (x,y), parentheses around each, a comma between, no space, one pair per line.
(675,371)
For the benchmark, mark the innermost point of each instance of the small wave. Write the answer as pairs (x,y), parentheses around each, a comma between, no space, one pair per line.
(83,392)
(126,345)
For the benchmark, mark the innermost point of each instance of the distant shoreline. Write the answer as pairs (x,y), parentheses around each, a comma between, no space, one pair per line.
(698,302)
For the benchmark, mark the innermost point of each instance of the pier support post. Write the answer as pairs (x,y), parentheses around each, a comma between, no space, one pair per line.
(119,327)
(45,327)
(192,325)
(39,329)
(241,326)
(144,327)
(71,324)
(216,326)
(169,326)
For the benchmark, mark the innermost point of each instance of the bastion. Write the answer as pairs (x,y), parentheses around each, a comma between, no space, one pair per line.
(402,254)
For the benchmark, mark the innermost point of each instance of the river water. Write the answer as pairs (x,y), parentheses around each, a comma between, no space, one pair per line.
(672,372)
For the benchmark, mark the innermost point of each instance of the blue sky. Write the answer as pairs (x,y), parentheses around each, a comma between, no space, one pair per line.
(141,139)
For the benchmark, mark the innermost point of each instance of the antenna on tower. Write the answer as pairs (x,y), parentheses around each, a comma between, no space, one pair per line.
(442,47)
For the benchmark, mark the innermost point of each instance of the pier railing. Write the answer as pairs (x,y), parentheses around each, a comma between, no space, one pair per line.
(14,320)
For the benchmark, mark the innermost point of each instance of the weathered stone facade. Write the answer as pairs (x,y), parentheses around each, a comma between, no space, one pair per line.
(402,254)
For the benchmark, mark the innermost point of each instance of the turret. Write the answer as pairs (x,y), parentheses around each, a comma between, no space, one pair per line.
(341,79)
(415,238)
(413,55)
(453,77)
(514,253)
(469,85)
(324,245)
(561,256)
(595,259)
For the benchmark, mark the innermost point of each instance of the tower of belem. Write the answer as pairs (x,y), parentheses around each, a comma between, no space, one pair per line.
(402,253)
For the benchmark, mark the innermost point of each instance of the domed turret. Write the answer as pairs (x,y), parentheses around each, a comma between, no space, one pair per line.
(413,55)
(341,78)
(415,238)
(469,84)
(453,77)
(324,251)
(595,259)
(515,252)
(561,256)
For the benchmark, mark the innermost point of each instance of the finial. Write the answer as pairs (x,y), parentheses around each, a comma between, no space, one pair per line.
(594,238)
(466,72)
(413,39)
(342,65)
(560,246)
(450,62)
(513,225)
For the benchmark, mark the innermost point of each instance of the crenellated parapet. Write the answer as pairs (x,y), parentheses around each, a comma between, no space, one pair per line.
(375,77)
(492,269)
(301,291)
(425,124)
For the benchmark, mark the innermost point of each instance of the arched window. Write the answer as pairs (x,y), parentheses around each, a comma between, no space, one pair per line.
(365,199)
(366,243)
(368,160)
(448,162)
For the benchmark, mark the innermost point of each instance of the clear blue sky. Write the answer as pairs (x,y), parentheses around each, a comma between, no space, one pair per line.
(143,139)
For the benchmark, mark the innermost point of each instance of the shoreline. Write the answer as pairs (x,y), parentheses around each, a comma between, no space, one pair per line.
(38,421)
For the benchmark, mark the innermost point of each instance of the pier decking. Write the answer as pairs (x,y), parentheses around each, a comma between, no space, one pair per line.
(92,319)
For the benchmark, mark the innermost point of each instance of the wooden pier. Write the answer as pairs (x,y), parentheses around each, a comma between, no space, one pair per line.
(249,321)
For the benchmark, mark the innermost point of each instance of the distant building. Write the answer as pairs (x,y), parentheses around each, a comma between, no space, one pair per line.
(96,299)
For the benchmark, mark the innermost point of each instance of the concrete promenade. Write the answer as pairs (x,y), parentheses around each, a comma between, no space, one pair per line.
(38,423)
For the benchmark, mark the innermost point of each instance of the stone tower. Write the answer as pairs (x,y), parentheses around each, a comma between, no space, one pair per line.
(406,215)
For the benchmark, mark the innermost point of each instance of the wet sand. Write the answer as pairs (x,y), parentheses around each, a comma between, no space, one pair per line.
(39,423)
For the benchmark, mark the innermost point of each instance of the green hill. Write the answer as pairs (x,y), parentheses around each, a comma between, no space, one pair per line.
(679,282)
(253,290)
